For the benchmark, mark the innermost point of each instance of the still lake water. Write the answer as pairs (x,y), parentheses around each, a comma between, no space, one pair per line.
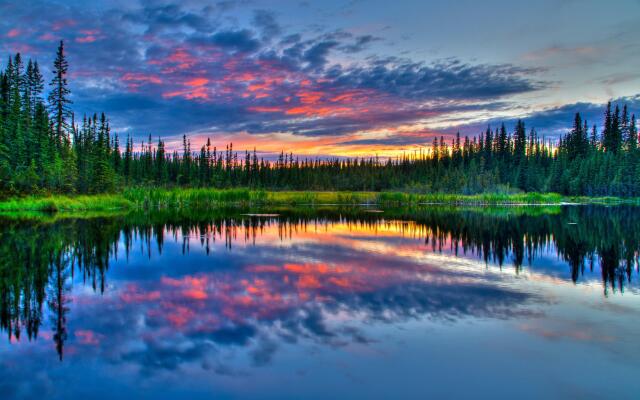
(323,303)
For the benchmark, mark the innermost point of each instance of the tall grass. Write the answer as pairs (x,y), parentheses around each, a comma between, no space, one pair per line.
(103,202)
(199,198)
(149,198)
(479,199)
(191,198)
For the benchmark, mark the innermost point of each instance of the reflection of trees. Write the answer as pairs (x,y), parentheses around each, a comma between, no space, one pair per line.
(579,235)
(58,300)
(39,258)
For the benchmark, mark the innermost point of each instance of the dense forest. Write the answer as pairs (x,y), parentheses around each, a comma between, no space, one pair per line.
(44,148)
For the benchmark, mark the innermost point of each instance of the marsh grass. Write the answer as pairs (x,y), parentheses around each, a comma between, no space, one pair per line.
(150,199)
(103,202)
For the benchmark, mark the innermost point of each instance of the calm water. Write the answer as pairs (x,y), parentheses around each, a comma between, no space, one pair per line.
(532,303)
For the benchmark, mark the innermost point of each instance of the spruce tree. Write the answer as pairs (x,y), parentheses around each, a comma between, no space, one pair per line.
(59,97)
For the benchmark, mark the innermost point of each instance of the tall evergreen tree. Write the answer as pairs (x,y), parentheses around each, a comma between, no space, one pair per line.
(59,97)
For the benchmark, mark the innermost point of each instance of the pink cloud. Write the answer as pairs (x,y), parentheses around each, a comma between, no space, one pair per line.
(13,33)
(132,294)
(86,39)
(190,94)
(47,37)
(87,337)
(194,288)
(136,79)
(58,25)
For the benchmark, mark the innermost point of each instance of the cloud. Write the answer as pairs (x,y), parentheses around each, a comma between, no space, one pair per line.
(169,69)
(449,79)
(13,33)
(360,44)
(157,18)
(238,40)
(317,54)
(555,121)
(266,22)
(582,53)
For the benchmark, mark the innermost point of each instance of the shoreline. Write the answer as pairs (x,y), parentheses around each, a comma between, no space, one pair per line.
(147,199)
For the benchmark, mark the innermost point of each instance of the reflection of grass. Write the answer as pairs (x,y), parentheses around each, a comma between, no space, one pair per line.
(50,217)
(146,199)
(288,212)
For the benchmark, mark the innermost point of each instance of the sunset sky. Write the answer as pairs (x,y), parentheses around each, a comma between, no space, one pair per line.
(333,77)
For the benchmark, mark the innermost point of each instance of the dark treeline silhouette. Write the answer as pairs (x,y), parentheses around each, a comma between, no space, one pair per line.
(43,148)
(39,259)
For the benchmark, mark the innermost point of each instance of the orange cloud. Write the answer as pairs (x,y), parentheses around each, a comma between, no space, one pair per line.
(195,82)
(265,109)
(309,97)
(316,111)
(309,282)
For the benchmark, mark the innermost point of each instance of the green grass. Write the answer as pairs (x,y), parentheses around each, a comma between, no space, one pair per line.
(103,202)
(199,198)
(146,199)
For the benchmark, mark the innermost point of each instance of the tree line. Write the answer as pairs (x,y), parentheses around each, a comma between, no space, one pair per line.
(45,149)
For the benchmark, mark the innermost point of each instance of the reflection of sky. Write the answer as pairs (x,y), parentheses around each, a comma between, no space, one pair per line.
(342,308)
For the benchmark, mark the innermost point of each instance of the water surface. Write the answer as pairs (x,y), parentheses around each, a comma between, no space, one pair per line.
(322,303)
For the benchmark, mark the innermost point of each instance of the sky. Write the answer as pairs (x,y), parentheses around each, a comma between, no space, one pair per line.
(337,77)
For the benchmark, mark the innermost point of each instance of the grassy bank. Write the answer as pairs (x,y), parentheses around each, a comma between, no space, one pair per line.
(136,199)
(101,202)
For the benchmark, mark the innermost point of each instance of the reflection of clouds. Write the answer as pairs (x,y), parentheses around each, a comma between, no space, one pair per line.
(87,337)
(566,332)
(206,317)
(226,311)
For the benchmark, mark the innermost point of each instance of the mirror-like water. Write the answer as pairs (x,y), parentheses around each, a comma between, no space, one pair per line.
(323,303)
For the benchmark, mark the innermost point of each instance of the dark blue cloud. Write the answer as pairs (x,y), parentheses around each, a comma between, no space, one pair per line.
(360,43)
(239,40)
(450,79)
(159,17)
(317,54)
(265,22)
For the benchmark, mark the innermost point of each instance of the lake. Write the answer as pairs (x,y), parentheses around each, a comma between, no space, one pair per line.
(539,302)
